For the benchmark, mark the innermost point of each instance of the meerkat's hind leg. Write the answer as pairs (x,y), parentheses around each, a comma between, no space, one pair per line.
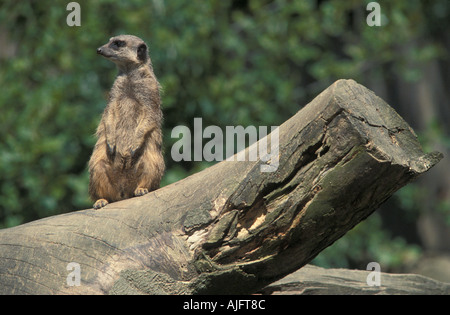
(100,203)
(140,191)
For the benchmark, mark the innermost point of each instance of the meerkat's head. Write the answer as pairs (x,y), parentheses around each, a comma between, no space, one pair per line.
(126,51)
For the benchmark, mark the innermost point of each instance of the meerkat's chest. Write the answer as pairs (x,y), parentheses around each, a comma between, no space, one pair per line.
(125,114)
(128,106)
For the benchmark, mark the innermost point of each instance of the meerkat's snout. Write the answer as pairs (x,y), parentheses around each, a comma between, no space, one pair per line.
(101,51)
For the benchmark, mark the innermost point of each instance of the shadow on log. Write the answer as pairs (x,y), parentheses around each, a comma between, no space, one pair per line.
(230,228)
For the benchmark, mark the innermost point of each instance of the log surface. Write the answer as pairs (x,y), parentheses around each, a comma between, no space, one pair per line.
(230,228)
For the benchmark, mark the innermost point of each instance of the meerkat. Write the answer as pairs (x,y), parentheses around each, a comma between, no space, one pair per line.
(127,160)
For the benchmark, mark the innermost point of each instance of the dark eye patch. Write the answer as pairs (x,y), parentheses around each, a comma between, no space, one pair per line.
(117,44)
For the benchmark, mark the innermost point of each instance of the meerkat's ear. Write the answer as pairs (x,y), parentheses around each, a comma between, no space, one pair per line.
(142,52)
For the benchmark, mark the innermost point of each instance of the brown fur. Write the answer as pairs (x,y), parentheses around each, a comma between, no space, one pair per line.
(127,160)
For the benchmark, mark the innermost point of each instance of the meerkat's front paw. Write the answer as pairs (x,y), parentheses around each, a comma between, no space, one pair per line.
(110,150)
(140,191)
(100,203)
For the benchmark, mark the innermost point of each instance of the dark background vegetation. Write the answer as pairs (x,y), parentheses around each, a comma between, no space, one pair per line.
(232,63)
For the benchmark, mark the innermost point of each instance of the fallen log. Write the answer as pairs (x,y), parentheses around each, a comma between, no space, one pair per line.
(230,228)
(312,280)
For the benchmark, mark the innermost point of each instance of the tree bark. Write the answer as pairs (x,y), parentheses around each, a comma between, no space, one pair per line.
(230,228)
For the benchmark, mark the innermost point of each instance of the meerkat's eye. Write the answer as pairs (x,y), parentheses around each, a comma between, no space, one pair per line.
(117,44)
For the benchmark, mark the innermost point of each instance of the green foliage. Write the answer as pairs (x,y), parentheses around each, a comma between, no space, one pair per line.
(369,242)
(230,62)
